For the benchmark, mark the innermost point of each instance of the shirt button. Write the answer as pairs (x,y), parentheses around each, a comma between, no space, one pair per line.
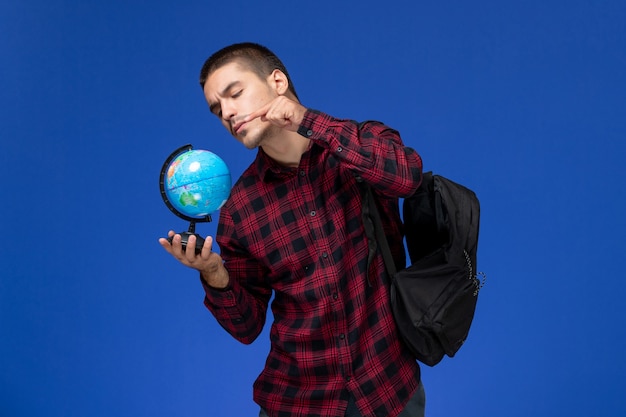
(309,132)
(313,213)
(342,336)
(335,296)
(339,149)
(302,173)
(324,255)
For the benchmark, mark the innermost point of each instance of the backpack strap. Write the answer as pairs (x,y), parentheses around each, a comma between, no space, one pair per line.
(374,231)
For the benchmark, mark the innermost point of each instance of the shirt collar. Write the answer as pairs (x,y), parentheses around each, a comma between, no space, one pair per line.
(269,169)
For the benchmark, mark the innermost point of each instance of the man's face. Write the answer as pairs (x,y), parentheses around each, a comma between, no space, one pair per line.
(232,92)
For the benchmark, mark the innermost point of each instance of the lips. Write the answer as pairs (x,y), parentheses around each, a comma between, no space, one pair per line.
(237,127)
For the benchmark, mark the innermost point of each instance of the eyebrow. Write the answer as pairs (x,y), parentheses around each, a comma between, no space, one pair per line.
(223,93)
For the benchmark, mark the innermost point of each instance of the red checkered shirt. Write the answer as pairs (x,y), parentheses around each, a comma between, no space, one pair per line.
(298,232)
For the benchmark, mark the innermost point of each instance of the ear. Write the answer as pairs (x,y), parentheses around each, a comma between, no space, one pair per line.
(278,81)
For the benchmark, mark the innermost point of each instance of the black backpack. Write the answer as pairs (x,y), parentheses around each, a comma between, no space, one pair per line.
(434,299)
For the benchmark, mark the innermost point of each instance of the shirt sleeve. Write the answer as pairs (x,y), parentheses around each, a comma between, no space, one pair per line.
(370,149)
(241,307)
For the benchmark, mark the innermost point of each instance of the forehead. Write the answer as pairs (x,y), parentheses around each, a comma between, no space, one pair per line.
(225,75)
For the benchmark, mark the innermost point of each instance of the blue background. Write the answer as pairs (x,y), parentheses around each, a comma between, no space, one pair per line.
(522,101)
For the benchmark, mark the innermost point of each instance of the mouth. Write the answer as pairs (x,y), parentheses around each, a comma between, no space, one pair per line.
(237,128)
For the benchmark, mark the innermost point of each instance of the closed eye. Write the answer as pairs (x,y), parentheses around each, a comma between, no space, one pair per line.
(215,109)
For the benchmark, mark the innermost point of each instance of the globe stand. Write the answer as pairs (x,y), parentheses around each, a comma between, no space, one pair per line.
(191,231)
(184,236)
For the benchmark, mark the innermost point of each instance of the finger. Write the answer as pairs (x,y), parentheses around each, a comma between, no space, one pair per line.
(258,113)
(169,236)
(172,245)
(286,113)
(207,247)
(176,245)
(190,249)
(166,244)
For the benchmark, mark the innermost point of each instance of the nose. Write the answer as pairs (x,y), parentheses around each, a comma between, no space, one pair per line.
(228,112)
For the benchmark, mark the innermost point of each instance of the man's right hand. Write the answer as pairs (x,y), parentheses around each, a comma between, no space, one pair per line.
(209,263)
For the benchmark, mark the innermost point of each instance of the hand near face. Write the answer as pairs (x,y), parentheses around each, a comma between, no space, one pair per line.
(282,112)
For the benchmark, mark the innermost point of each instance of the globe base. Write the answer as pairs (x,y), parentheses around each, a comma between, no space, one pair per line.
(185,239)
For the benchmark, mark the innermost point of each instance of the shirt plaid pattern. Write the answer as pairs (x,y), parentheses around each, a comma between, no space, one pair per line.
(298,232)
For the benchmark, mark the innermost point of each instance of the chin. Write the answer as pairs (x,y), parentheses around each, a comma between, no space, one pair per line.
(250,142)
(250,146)
(252,139)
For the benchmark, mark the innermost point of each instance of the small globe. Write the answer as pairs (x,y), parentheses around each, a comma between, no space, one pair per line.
(197,183)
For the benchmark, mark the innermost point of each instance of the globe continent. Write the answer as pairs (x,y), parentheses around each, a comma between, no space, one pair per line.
(197,183)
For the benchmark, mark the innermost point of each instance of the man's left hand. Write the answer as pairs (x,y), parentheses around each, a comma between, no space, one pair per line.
(282,112)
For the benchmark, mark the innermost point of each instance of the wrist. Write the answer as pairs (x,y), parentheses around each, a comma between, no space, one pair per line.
(217,280)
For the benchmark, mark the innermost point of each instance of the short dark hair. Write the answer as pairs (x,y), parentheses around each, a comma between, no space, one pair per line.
(255,57)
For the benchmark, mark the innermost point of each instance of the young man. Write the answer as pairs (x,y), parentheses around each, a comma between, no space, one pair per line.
(292,225)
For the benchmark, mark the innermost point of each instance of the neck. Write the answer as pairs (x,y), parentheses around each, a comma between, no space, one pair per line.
(287,148)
